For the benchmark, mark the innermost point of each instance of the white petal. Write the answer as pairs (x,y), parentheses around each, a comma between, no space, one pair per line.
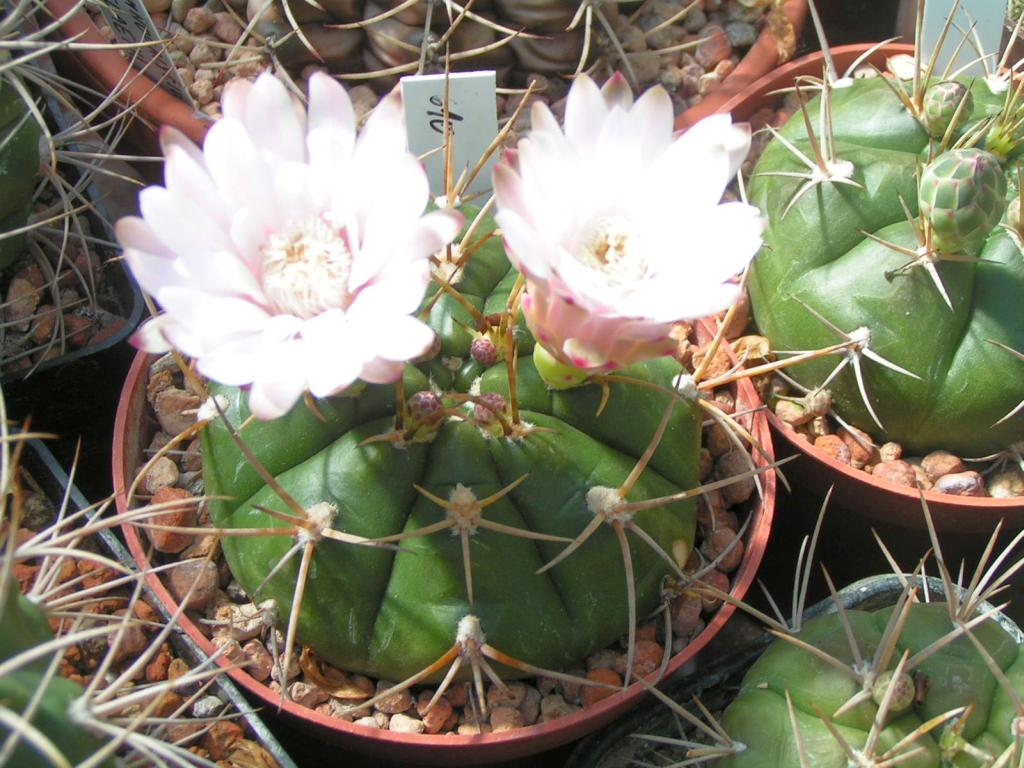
(181,225)
(134,232)
(330,107)
(172,138)
(235,97)
(651,121)
(273,398)
(617,93)
(150,337)
(585,111)
(244,179)
(187,178)
(382,371)
(273,123)
(404,338)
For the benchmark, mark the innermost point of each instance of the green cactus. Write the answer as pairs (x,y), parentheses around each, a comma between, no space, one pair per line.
(924,366)
(19,168)
(23,625)
(955,676)
(392,614)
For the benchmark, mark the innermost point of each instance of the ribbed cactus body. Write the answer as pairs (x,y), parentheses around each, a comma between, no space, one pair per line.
(391,614)
(819,255)
(955,676)
(19,167)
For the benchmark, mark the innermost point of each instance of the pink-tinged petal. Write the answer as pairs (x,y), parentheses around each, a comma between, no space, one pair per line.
(541,119)
(400,337)
(696,175)
(719,129)
(249,234)
(330,107)
(217,317)
(244,179)
(647,121)
(181,225)
(384,132)
(330,157)
(188,179)
(585,110)
(583,355)
(335,355)
(382,371)
(293,192)
(238,361)
(400,292)
(526,249)
(273,398)
(235,97)
(436,229)
(391,205)
(150,336)
(134,232)
(618,94)
(154,272)
(172,138)
(273,123)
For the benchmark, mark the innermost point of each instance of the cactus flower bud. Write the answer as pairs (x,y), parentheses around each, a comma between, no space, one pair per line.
(423,406)
(483,350)
(902,696)
(941,103)
(485,414)
(963,196)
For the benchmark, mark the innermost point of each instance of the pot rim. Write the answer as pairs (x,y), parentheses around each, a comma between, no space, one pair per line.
(442,748)
(743,106)
(159,108)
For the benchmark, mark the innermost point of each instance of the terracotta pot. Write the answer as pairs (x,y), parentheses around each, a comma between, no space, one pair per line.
(856,492)
(760,61)
(131,437)
(109,72)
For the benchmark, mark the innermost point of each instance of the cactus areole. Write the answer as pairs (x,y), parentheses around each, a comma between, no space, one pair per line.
(392,612)
(956,676)
(920,300)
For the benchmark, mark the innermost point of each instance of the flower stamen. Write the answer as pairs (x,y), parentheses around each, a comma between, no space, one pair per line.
(306,268)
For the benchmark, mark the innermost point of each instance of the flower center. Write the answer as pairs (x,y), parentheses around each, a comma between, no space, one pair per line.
(306,267)
(610,245)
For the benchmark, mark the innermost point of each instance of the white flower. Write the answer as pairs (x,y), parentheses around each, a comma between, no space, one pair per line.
(289,254)
(617,225)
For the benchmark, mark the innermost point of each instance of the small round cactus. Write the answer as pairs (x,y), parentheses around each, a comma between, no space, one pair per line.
(926,308)
(962,196)
(794,700)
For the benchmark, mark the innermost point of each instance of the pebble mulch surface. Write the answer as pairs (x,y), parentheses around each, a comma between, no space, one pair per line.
(689,53)
(199,720)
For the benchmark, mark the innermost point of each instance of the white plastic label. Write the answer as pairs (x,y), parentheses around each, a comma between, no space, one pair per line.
(131,23)
(473,121)
(985,16)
